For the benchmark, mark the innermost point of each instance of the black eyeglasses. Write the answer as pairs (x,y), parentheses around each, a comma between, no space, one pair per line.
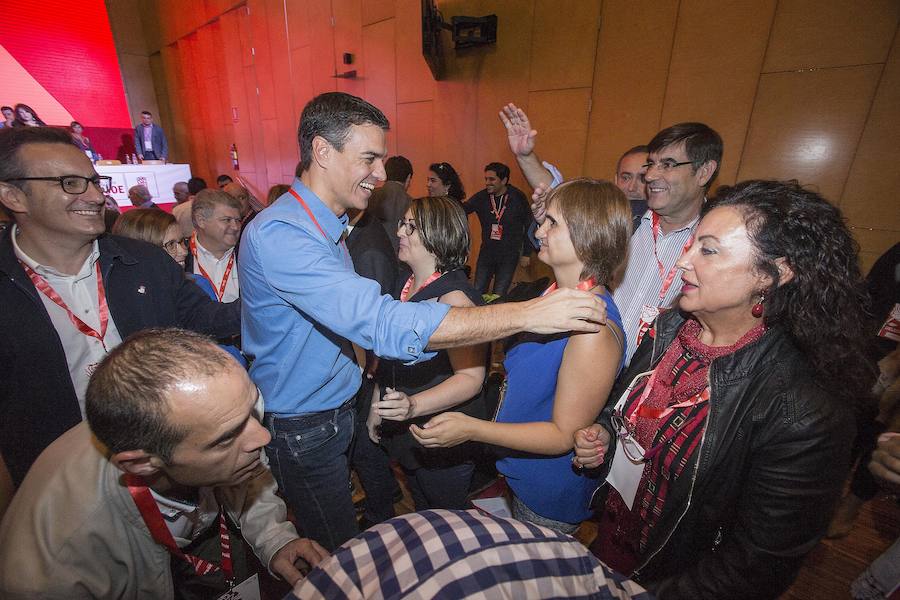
(666,165)
(172,244)
(408,227)
(73,184)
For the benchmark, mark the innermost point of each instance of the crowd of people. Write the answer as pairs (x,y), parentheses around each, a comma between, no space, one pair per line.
(177,384)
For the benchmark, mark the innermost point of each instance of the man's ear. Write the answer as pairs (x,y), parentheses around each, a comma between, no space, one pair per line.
(705,172)
(785,272)
(137,462)
(13,198)
(321,151)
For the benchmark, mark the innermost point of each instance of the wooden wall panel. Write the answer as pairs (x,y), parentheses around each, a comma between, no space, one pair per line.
(415,141)
(374,11)
(380,67)
(564,44)
(790,85)
(814,34)
(871,196)
(347,16)
(563,132)
(414,80)
(298,24)
(806,125)
(632,65)
(501,79)
(698,67)
(322,46)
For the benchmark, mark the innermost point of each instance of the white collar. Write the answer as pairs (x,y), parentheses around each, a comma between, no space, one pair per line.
(87,269)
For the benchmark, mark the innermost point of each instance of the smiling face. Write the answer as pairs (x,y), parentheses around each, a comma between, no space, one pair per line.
(493,184)
(677,193)
(351,174)
(43,208)
(630,176)
(435,186)
(556,250)
(221,230)
(224,439)
(719,277)
(410,248)
(24,114)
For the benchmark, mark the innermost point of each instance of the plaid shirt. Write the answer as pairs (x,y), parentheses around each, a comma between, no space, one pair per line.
(463,554)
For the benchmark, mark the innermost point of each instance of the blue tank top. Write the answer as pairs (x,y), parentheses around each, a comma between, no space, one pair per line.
(546,484)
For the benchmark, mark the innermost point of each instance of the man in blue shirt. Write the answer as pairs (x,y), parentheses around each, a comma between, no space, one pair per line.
(303,305)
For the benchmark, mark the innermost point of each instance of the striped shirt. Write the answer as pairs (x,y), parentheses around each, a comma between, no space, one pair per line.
(642,282)
(463,555)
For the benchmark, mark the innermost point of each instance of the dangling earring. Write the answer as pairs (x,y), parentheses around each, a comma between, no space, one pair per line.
(757,310)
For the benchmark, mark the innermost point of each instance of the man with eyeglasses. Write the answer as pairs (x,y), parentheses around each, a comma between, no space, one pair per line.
(682,162)
(70,293)
(211,254)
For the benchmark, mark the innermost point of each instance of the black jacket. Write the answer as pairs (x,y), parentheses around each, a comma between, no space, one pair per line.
(768,472)
(144,288)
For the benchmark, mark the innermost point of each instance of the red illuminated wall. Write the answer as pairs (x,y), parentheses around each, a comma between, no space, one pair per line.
(59,58)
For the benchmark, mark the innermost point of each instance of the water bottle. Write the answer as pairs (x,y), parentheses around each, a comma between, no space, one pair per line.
(134,159)
(128,159)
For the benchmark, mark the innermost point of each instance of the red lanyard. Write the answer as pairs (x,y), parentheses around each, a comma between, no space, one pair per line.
(404,295)
(153,519)
(221,291)
(498,214)
(45,288)
(584,285)
(315,220)
(670,277)
(659,413)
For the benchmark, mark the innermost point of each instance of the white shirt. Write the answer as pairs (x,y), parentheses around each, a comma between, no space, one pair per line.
(79,292)
(215,268)
(186,521)
(641,283)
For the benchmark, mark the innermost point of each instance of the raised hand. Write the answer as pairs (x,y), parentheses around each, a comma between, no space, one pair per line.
(518,130)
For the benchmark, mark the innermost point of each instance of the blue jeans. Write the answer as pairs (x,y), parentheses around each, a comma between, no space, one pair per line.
(442,487)
(500,267)
(308,457)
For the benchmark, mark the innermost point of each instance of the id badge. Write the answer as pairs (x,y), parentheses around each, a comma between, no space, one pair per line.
(648,314)
(891,327)
(246,590)
(496,231)
(625,474)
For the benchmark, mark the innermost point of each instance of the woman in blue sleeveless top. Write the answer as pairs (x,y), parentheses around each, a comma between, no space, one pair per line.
(556,384)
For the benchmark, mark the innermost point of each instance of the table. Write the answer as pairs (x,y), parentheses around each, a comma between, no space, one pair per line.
(159,179)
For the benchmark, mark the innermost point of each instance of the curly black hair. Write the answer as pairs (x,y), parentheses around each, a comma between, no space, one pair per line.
(824,305)
(449,177)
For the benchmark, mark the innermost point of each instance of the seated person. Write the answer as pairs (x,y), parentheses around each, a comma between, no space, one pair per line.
(462,554)
(145,498)
(434,244)
(556,384)
(728,438)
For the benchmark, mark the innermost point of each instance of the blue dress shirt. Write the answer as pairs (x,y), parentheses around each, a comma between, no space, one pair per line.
(302,301)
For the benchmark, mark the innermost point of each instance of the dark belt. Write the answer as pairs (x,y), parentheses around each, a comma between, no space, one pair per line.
(274,423)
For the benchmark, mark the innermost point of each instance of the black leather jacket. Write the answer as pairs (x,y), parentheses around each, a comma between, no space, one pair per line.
(768,473)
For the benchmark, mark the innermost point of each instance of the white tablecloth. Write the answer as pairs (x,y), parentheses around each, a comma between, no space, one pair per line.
(159,179)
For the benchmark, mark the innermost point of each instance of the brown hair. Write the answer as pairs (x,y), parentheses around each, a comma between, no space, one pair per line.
(207,199)
(127,400)
(444,230)
(146,224)
(276,191)
(599,220)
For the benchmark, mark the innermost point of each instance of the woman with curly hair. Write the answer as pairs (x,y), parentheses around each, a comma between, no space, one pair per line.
(443,180)
(727,440)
